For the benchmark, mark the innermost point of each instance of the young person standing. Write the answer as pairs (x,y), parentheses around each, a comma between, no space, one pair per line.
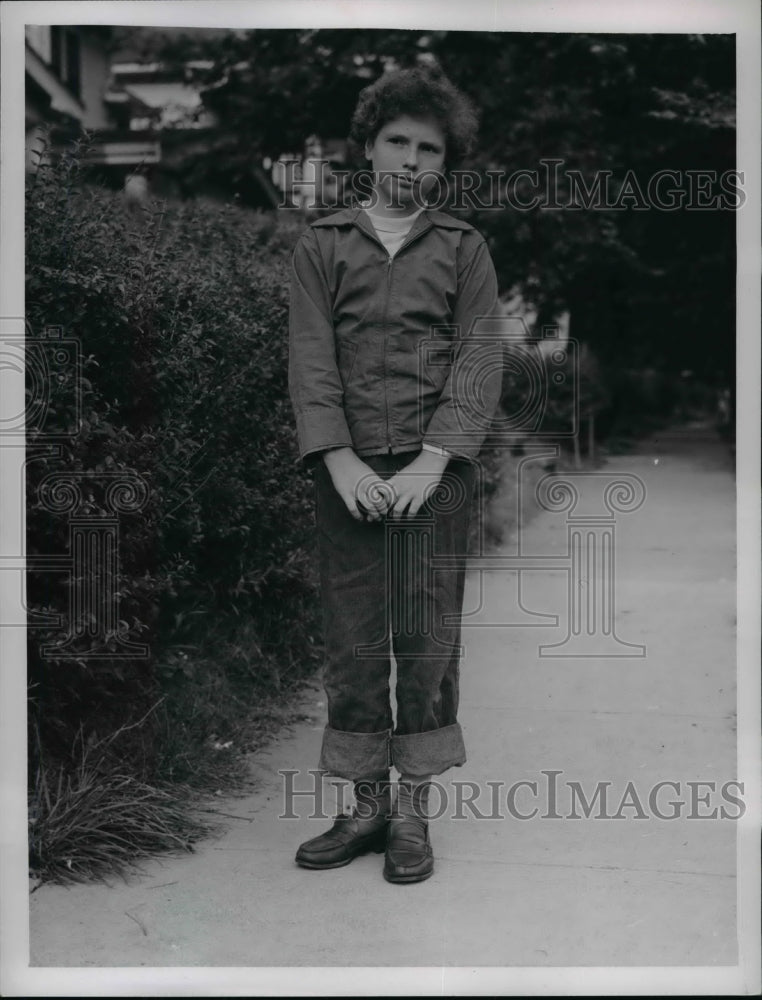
(385,302)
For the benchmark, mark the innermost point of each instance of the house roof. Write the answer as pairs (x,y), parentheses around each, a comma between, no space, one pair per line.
(161,94)
(61,98)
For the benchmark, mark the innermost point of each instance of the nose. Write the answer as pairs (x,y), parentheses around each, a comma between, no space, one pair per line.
(411,158)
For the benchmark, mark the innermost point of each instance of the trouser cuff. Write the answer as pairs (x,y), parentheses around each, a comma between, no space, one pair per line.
(431,752)
(355,756)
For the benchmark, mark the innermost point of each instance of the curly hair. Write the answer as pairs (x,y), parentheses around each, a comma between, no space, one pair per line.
(418,92)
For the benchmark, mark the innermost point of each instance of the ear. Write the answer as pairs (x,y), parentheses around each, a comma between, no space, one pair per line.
(368,146)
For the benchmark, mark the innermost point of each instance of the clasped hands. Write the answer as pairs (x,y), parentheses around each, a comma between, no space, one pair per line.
(368,497)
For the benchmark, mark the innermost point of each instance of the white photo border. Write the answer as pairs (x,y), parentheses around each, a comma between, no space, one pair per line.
(741,17)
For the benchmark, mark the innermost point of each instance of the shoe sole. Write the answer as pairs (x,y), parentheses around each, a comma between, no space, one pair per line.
(407,879)
(317,868)
(312,866)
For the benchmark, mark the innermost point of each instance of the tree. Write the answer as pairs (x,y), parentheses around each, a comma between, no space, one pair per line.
(644,286)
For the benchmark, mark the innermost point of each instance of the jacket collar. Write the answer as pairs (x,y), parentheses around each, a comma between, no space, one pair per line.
(354,216)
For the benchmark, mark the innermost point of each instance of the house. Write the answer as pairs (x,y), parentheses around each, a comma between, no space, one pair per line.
(67,75)
(150,129)
(148,96)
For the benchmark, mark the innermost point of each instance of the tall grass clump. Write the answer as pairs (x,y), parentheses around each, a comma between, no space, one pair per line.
(97,818)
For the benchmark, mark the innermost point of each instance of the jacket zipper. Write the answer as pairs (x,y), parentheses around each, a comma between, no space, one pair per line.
(389,263)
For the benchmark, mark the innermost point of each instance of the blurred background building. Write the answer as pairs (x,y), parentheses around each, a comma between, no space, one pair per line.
(148,122)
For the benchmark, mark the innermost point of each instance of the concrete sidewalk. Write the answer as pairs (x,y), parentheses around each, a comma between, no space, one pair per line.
(507,891)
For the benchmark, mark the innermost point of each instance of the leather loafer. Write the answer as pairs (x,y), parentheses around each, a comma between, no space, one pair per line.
(346,840)
(409,857)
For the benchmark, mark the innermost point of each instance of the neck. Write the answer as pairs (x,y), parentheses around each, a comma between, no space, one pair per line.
(380,206)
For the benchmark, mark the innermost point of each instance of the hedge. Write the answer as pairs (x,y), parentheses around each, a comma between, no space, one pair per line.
(175,319)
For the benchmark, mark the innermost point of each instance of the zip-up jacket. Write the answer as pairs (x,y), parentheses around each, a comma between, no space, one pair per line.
(386,353)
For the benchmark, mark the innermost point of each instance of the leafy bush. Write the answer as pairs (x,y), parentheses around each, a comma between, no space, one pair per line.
(179,313)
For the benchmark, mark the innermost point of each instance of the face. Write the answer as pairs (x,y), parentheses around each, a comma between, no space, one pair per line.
(406,155)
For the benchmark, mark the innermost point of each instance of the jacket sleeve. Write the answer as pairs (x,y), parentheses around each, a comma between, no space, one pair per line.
(315,388)
(471,394)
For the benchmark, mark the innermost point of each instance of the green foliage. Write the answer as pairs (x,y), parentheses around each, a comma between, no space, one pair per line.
(645,287)
(95,818)
(181,315)
(179,312)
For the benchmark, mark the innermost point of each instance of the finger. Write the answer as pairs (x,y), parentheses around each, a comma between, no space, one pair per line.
(398,511)
(415,505)
(370,510)
(352,508)
(367,498)
(382,495)
(373,504)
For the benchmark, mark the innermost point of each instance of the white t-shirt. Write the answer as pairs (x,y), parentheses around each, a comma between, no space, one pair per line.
(392,231)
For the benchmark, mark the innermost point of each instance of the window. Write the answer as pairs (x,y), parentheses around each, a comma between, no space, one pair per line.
(56,39)
(65,57)
(72,58)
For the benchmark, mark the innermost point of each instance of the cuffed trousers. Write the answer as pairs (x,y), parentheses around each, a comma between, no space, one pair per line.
(393,586)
